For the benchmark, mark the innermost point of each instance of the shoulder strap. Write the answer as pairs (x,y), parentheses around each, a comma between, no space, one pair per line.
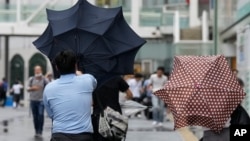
(31,81)
(99,103)
(44,82)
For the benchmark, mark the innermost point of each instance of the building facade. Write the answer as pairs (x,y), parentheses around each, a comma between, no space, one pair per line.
(234,38)
(171,27)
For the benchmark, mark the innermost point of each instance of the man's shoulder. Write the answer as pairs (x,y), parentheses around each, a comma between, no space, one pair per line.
(86,76)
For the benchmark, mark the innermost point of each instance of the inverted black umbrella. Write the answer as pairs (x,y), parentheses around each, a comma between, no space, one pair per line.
(103,41)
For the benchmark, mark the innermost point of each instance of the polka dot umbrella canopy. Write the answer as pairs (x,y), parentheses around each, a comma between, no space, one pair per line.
(201,91)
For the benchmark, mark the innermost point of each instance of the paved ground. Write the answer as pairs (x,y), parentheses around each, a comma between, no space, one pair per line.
(20,128)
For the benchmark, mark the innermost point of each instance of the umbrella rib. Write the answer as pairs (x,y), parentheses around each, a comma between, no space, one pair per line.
(86,54)
(210,112)
(126,43)
(184,68)
(213,63)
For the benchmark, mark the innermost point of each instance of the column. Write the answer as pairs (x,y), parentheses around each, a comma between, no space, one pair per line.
(18,11)
(135,13)
(6,61)
(205,29)
(176,27)
(193,13)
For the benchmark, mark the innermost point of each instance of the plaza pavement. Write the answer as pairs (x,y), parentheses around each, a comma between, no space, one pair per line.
(20,127)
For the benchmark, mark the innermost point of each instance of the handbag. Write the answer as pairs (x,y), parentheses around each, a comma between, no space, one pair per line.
(112,124)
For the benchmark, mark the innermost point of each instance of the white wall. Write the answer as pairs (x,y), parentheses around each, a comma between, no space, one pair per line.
(228,49)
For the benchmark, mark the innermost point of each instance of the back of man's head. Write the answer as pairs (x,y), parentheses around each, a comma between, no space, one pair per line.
(66,62)
(138,75)
(161,69)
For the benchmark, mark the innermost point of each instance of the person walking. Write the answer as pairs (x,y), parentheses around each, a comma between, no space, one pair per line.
(146,98)
(157,81)
(4,92)
(68,101)
(135,86)
(16,90)
(238,117)
(108,95)
(1,94)
(37,84)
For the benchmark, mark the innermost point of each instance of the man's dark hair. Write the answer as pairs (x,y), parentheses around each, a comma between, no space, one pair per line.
(65,62)
(16,82)
(161,69)
(4,79)
(138,75)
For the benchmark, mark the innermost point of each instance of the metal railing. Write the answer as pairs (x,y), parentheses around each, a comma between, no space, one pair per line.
(194,48)
(34,13)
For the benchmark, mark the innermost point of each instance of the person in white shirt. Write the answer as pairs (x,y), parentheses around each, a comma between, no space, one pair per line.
(135,86)
(157,81)
(16,89)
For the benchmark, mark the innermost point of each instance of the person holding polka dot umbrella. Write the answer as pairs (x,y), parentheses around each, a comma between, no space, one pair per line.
(202,91)
(238,117)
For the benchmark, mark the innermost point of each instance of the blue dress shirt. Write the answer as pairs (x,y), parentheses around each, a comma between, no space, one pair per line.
(68,103)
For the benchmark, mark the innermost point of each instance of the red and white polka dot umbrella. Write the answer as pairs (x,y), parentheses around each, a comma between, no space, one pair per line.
(202,91)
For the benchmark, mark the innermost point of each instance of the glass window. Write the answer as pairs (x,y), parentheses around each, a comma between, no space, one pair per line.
(153,3)
(176,1)
(126,4)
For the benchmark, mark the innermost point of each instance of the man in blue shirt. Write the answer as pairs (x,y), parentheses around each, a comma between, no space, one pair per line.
(68,101)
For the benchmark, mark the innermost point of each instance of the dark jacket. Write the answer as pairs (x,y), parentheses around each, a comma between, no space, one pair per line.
(240,117)
(1,91)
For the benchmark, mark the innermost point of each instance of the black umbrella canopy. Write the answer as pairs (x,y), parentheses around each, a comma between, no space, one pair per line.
(100,37)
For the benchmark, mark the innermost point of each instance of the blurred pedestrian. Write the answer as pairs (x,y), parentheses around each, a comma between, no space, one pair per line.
(37,84)
(147,97)
(135,86)
(68,101)
(1,94)
(157,81)
(16,90)
(4,86)
(108,95)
